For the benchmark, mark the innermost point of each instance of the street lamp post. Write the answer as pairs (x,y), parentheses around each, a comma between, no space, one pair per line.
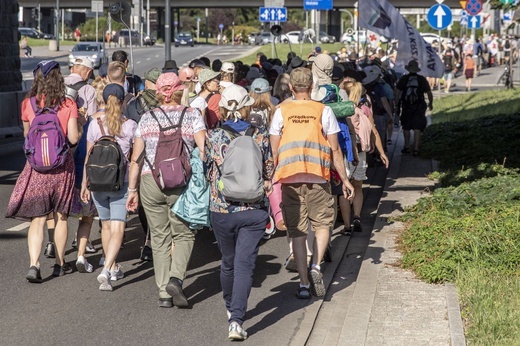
(57,25)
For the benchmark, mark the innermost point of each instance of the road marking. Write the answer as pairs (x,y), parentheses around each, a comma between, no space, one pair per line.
(20,227)
(148,59)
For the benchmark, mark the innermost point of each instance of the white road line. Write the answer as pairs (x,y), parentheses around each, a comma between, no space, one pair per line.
(20,227)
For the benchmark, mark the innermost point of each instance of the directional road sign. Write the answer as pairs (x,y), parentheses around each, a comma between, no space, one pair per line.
(317,5)
(439,17)
(473,7)
(474,22)
(463,21)
(273,14)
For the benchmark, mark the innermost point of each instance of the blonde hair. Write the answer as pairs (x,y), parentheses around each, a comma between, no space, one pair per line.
(263,102)
(113,119)
(99,85)
(354,91)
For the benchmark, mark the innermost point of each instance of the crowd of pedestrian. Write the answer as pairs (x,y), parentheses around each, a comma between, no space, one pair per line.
(289,140)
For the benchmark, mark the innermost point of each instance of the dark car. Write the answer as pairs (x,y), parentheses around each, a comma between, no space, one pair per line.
(29,32)
(184,39)
(123,37)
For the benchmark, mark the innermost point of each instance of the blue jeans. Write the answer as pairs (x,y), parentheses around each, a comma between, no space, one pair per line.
(111,205)
(238,237)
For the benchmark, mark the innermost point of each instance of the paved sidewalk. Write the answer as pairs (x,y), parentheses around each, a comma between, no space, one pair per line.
(371,301)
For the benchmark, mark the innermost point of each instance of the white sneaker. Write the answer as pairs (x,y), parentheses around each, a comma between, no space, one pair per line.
(83,266)
(104,280)
(117,274)
(90,248)
(236,332)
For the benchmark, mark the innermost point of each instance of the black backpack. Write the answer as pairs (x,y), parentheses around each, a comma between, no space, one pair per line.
(412,94)
(106,164)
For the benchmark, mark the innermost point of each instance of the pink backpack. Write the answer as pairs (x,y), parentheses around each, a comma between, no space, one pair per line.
(363,127)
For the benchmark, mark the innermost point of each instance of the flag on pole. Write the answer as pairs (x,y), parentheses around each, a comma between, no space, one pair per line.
(381,17)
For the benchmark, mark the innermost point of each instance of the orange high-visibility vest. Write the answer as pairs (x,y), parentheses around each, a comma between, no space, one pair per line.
(303,147)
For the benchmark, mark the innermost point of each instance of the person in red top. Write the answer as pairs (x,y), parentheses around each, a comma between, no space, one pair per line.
(36,195)
(77,35)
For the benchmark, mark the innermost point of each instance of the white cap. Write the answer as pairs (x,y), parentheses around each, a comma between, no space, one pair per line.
(228,67)
(87,62)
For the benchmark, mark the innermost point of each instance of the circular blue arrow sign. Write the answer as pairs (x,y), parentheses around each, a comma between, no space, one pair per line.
(440,17)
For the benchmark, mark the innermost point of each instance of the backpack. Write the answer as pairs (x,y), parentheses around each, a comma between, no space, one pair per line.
(105,164)
(332,99)
(45,145)
(171,167)
(241,178)
(411,92)
(448,62)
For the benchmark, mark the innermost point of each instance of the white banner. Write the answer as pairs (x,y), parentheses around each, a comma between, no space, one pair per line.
(383,18)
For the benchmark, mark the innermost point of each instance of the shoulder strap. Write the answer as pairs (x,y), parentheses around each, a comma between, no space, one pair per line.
(78,85)
(100,123)
(152,112)
(230,130)
(209,96)
(250,131)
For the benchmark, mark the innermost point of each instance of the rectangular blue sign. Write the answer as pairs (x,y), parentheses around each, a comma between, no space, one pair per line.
(273,14)
(317,5)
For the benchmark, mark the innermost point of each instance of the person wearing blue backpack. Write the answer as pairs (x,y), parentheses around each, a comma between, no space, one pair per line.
(46,187)
(239,167)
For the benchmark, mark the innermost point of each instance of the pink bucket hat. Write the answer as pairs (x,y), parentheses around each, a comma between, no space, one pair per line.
(167,84)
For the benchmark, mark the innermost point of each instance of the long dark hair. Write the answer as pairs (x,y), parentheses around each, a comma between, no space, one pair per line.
(52,86)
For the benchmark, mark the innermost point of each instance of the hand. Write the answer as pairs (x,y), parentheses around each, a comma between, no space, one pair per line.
(430,106)
(132,201)
(85,194)
(268,187)
(384,159)
(348,191)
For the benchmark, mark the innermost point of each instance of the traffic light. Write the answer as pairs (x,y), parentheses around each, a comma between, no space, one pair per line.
(34,13)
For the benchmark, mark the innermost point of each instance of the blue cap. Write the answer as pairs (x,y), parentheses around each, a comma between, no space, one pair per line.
(46,66)
(318,49)
(114,89)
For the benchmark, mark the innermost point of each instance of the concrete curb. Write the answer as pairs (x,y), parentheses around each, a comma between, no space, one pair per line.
(454,317)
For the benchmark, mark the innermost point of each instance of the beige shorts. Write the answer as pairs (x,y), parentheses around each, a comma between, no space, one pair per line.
(304,203)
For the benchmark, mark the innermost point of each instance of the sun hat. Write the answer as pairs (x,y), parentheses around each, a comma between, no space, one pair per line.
(354,74)
(46,67)
(186,74)
(152,75)
(206,75)
(113,89)
(412,67)
(337,72)
(324,63)
(87,62)
(228,67)
(260,86)
(372,73)
(253,74)
(301,77)
(170,65)
(239,95)
(167,84)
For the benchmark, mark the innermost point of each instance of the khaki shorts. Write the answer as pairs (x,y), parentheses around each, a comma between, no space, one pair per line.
(304,203)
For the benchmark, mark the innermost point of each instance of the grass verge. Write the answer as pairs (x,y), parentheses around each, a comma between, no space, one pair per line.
(468,231)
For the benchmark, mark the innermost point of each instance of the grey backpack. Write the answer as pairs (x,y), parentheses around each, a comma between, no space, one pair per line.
(241,177)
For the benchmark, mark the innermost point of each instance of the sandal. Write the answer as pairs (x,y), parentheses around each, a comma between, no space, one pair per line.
(303,293)
(405,150)
(347,231)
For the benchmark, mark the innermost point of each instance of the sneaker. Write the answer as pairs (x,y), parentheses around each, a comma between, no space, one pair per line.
(357,225)
(290,264)
(104,280)
(303,293)
(34,275)
(50,250)
(146,254)
(102,261)
(74,243)
(174,289)
(317,285)
(83,266)
(117,274)
(236,332)
(61,270)
(90,248)
(347,231)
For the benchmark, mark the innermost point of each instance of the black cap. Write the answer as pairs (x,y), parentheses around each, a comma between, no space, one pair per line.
(197,63)
(170,65)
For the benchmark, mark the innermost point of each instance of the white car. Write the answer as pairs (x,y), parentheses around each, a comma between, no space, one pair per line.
(292,36)
(353,37)
(92,50)
(429,37)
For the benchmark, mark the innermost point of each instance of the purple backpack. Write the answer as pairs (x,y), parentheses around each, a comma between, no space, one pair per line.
(45,144)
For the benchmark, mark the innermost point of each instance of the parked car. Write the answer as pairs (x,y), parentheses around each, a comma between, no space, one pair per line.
(326,38)
(91,50)
(34,33)
(430,37)
(292,36)
(264,38)
(123,37)
(184,39)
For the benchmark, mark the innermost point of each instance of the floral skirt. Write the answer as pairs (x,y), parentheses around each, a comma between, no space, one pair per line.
(37,194)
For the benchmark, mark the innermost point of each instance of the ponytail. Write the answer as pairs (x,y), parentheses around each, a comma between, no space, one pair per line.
(113,119)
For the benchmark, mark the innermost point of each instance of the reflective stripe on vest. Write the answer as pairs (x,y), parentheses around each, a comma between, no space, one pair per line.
(303,147)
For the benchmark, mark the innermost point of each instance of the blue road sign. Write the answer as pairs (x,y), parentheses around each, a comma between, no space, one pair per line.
(273,14)
(317,5)
(221,26)
(474,22)
(440,17)
(464,21)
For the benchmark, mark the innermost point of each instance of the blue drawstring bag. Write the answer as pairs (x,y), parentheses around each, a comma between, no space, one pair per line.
(193,204)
